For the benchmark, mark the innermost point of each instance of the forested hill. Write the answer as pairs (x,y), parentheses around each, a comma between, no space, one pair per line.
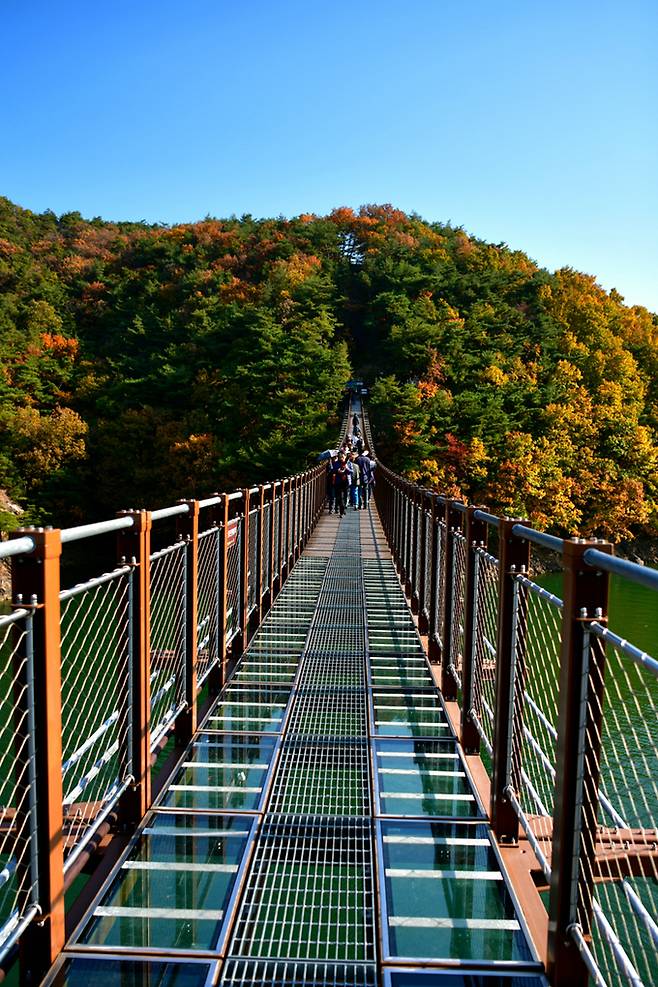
(142,363)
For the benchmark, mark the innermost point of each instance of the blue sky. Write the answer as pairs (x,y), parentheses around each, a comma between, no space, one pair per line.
(533,122)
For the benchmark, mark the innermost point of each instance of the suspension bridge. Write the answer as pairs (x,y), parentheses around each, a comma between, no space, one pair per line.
(272,745)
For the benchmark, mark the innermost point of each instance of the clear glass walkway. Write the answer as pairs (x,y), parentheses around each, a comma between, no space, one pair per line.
(322,827)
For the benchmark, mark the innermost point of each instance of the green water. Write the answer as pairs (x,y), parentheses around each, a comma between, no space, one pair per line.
(633,610)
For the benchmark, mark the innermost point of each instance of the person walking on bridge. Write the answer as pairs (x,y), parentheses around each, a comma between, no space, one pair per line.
(342,483)
(332,469)
(355,487)
(365,478)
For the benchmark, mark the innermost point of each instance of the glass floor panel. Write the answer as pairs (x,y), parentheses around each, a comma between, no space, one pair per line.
(241,709)
(458,978)
(445,898)
(400,673)
(422,778)
(174,889)
(269,678)
(81,971)
(222,772)
(415,714)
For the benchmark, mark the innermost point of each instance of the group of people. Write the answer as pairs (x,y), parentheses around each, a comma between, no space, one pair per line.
(350,474)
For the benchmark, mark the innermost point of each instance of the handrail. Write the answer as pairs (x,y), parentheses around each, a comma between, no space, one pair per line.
(640,574)
(16,546)
(490,519)
(538,537)
(98,528)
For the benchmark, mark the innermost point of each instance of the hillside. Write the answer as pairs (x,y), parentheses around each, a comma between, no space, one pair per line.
(142,363)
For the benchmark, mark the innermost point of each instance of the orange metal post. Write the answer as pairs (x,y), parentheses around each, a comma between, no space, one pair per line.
(476,536)
(262,534)
(282,535)
(273,546)
(188,528)
(514,558)
(242,639)
(37,576)
(134,546)
(578,754)
(223,584)
(453,522)
(296,530)
(436,559)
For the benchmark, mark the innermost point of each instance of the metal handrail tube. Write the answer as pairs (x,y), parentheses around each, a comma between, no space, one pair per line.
(164,689)
(536,797)
(636,904)
(166,512)
(540,591)
(477,723)
(540,752)
(98,822)
(491,519)
(547,723)
(606,804)
(236,495)
(82,783)
(538,538)
(532,839)
(167,551)
(210,502)
(622,567)
(90,741)
(639,657)
(17,546)
(98,528)
(618,951)
(588,957)
(107,577)
(459,506)
(13,617)
(13,935)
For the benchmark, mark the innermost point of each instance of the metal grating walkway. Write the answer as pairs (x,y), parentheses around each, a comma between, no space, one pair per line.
(322,827)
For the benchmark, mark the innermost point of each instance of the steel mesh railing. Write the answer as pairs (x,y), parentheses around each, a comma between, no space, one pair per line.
(276,560)
(252,574)
(458,601)
(536,648)
(233,567)
(95,632)
(168,615)
(623,872)
(424,603)
(285,527)
(485,619)
(266,563)
(18,843)
(441,583)
(418,524)
(208,606)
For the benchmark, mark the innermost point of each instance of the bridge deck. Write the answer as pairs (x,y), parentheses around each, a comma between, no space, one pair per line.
(322,827)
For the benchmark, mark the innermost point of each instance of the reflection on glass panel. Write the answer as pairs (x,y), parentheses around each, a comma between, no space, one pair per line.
(455,978)
(423,778)
(82,971)
(222,772)
(445,894)
(173,890)
(409,714)
(400,671)
(249,710)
